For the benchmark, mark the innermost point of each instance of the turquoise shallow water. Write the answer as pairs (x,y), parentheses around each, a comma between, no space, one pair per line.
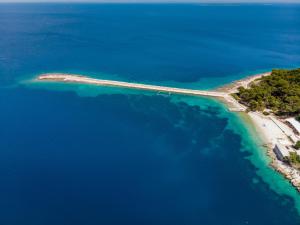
(80,154)
(147,153)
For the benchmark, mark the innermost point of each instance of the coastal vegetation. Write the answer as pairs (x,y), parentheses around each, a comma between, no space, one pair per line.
(297,145)
(294,159)
(278,93)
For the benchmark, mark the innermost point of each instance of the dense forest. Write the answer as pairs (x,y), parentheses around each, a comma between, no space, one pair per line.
(279,92)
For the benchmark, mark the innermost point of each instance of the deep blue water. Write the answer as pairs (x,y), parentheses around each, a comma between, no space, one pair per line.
(135,159)
(154,42)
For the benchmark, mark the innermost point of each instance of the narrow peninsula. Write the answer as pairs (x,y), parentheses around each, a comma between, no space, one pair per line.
(271,100)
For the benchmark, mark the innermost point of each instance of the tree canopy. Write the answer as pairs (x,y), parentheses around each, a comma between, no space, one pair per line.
(279,92)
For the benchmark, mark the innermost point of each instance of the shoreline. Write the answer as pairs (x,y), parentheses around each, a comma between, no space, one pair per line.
(245,82)
(270,129)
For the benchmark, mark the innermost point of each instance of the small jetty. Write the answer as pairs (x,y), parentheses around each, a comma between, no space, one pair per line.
(70,78)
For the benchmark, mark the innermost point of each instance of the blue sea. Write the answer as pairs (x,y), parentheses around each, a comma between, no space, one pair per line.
(84,155)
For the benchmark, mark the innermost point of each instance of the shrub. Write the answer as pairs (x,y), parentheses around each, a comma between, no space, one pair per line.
(294,157)
(297,145)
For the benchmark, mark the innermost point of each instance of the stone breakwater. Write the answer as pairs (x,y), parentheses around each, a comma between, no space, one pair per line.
(70,78)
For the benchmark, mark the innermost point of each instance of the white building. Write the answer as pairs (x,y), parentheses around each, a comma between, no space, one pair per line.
(295,124)
(281,151)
